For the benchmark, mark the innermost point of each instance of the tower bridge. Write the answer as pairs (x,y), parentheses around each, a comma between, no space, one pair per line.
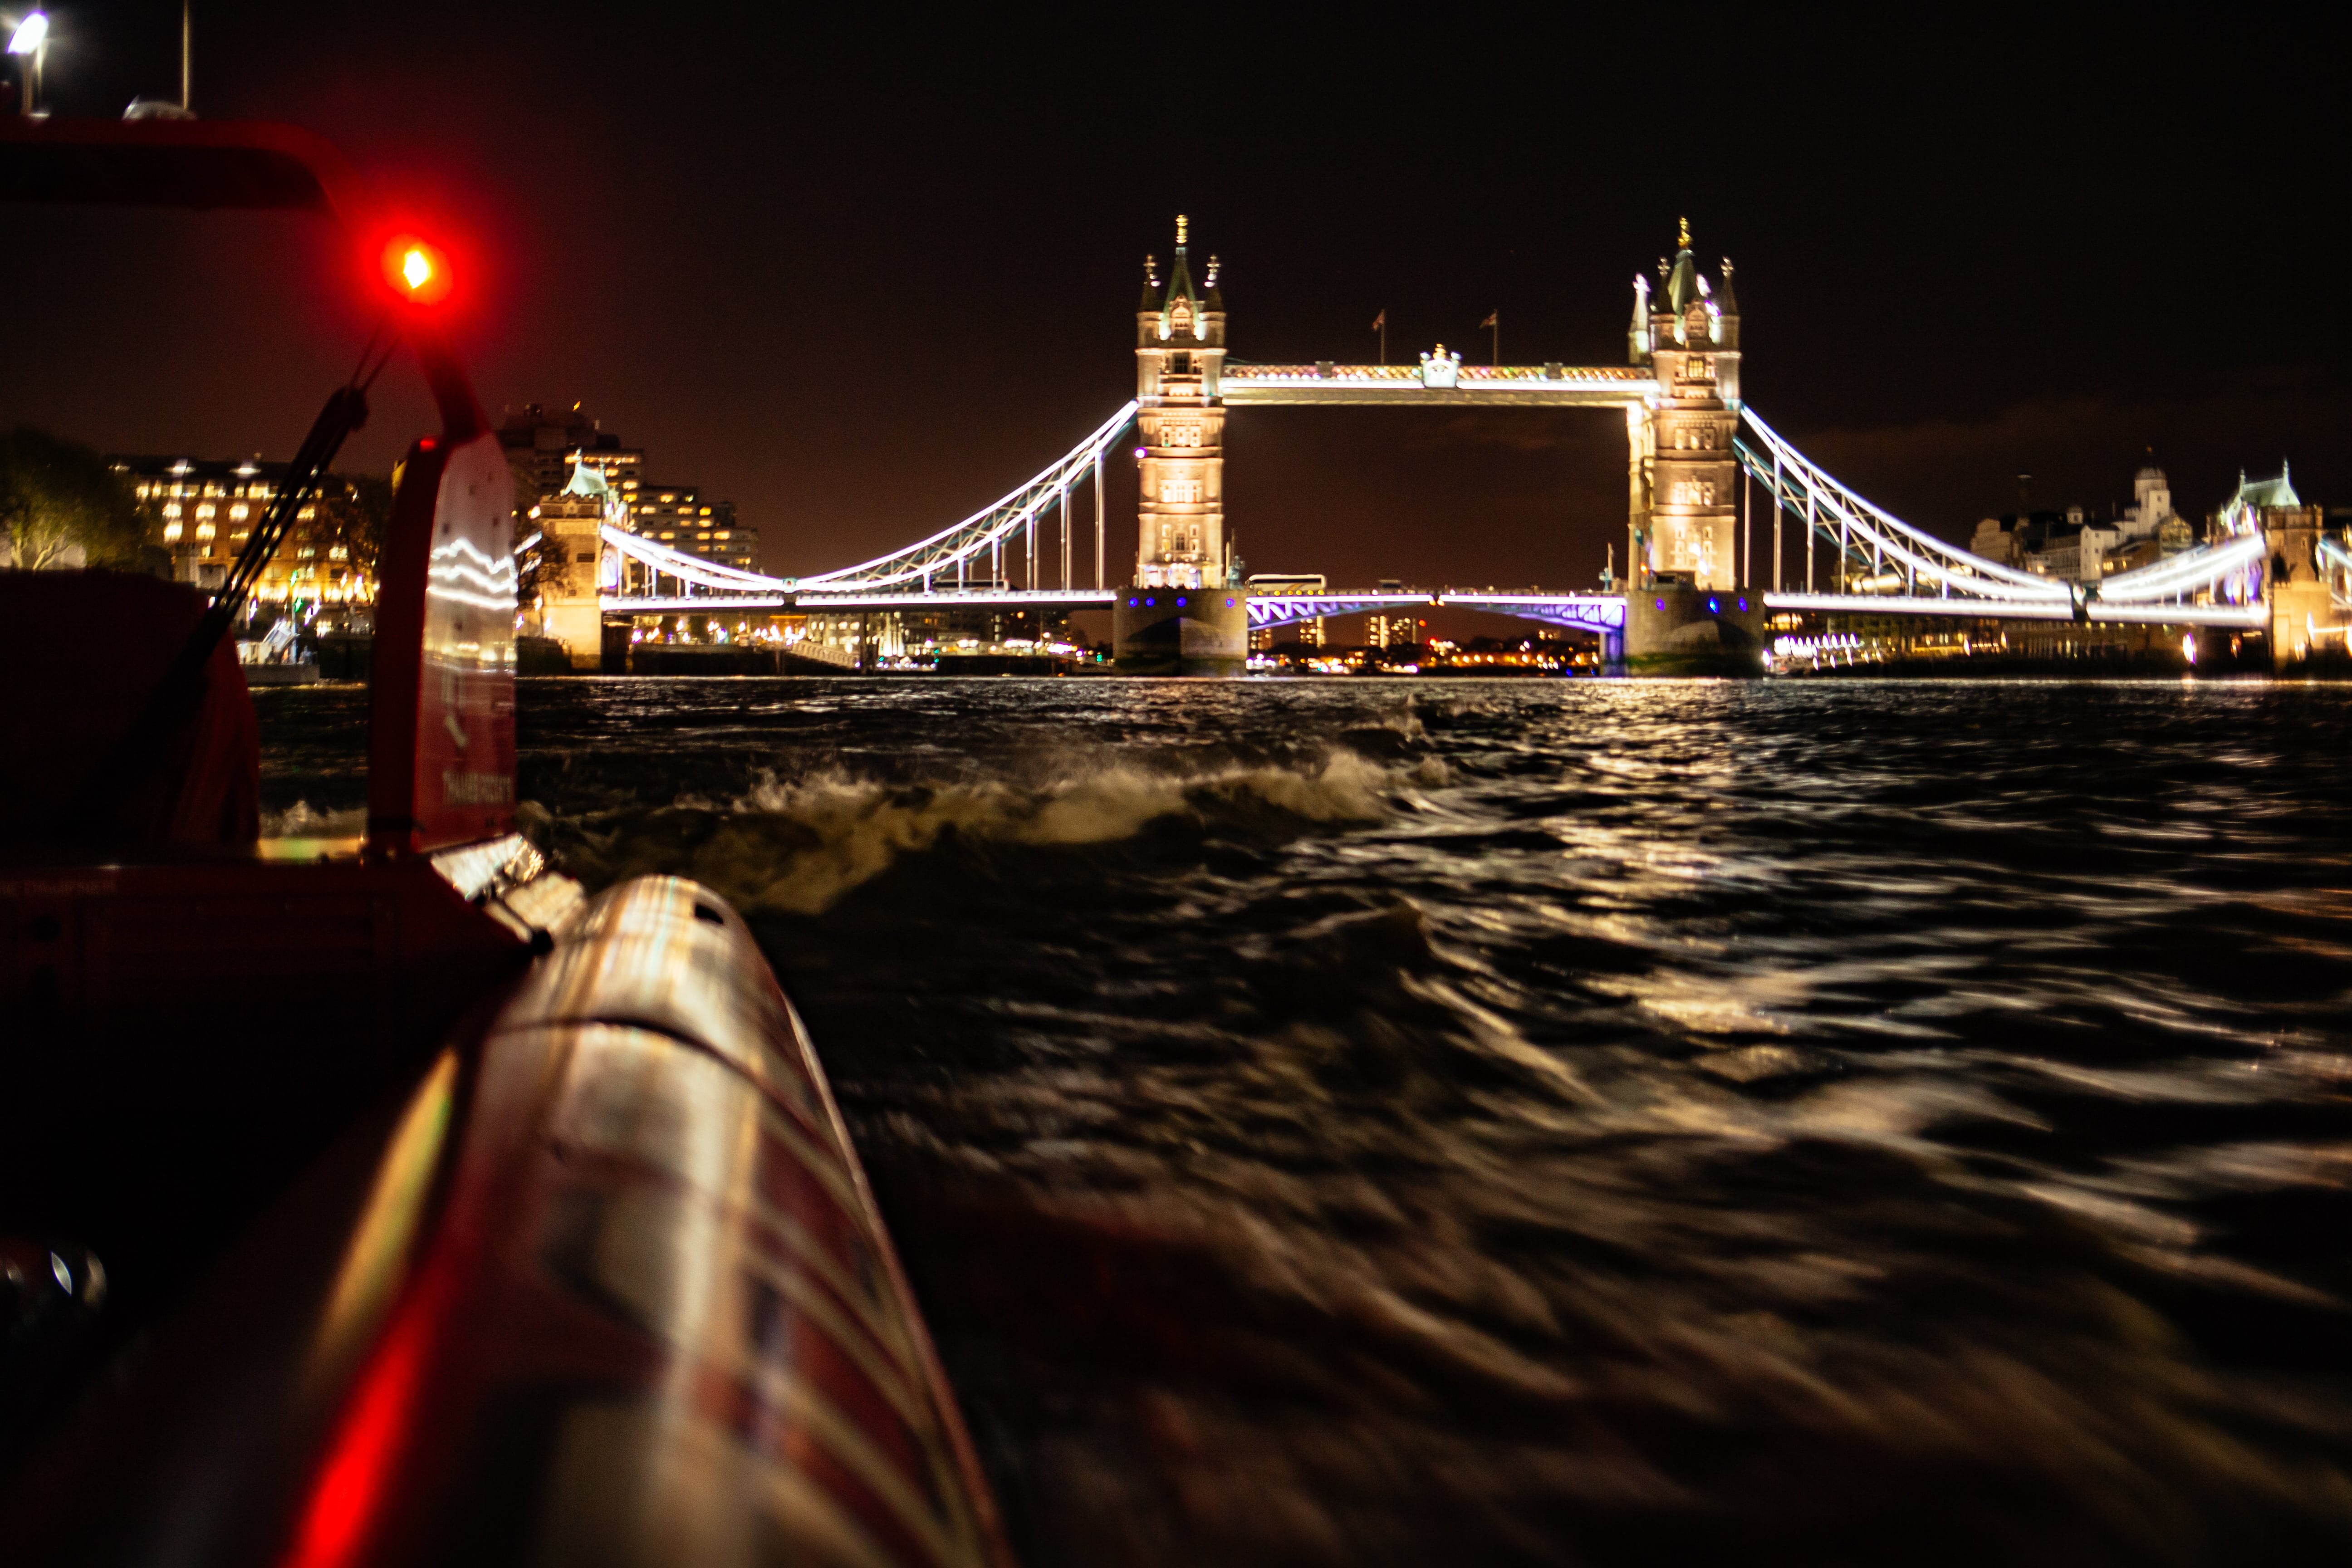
(1698,460)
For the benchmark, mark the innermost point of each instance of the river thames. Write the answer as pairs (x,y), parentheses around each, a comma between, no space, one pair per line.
(1597,1122)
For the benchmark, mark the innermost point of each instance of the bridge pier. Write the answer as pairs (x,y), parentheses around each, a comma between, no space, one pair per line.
(1181,631)
(1675,627)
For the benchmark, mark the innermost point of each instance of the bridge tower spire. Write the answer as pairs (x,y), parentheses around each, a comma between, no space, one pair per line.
(1184,612)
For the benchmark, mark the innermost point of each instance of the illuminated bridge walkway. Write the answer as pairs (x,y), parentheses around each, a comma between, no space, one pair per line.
(1850,555)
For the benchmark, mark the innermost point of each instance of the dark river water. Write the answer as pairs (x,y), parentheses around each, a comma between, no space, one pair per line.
(1596,1122)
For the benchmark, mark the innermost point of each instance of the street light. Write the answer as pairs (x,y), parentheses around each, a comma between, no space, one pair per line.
(30,43)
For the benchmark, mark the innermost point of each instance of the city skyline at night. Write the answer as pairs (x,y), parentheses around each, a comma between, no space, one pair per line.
(788,266)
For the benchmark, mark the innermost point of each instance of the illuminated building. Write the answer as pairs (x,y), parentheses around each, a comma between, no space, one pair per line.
(203,509)
(2072,547)
(2291,578)
(1188,613)
(572,567)
(1181,345)
(680,517)
(573,480)
(1683,514)
(570,570)
(541,448)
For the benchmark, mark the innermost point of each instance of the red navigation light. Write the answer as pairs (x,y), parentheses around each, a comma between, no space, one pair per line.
(417,270)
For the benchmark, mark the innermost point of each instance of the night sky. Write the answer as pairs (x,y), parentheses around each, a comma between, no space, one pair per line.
(861,276)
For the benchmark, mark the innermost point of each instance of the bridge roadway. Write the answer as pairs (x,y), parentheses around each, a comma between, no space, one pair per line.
(1597,613)
(1577,612)
(1603,614)
(1437,384)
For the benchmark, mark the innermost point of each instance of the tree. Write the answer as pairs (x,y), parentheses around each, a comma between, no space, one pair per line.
(57,495)
(371,517)
(348,513)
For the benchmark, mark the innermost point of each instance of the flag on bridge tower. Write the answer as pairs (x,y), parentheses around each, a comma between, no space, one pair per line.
(1380,325)
(1495,319)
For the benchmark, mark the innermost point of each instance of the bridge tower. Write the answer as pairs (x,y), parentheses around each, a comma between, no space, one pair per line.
(1683,522)
(1184,612)
(575,566)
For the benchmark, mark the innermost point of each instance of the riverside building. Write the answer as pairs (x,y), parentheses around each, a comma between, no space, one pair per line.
(203,509)
(570,569)
(543,448)
(2069,546)
(681,517)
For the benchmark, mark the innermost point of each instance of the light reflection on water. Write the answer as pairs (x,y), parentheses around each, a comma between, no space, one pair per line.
(1536,1121)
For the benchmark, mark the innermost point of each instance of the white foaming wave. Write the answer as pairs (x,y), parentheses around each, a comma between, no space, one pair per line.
(796,846)
(300,821)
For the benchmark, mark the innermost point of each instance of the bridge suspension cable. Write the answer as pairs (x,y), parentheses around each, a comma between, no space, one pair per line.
(939,563)
(2335,564)
(1869,535)
(1911,571)
(686,568)
(947,552)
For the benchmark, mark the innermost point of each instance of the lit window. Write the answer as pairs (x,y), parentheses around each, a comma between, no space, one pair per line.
(171,533)
(237,511)
(171,508)
(205,511)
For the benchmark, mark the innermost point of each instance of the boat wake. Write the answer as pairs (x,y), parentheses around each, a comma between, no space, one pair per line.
(796,846)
